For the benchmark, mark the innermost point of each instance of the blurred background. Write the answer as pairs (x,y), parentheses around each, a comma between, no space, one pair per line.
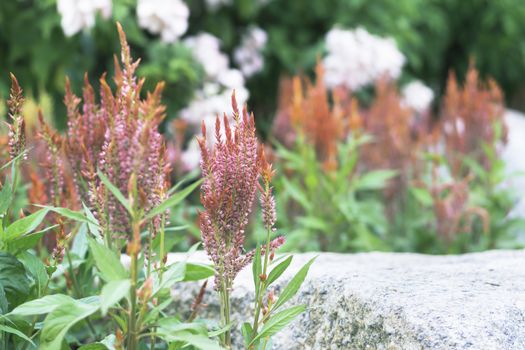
(44,40)
(414,91)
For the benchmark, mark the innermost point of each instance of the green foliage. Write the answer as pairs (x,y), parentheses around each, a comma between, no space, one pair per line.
(337,210)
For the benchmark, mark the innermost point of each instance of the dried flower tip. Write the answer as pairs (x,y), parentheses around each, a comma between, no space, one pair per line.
(262,277)
(265,167)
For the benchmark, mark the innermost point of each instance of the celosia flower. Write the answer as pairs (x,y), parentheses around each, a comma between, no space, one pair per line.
(267,200)
(120,137)
(17,136)
(230,172)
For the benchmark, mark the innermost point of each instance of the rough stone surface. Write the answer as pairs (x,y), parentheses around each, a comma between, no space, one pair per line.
(395,301)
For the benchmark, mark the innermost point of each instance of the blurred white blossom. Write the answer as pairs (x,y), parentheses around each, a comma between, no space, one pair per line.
(80,14)
(357,58)
(248,55)
(214,98)
(215,4)
(206,49)
(169,18)
(417,96)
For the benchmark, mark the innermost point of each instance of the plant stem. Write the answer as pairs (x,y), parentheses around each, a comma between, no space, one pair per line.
(225,312)
(133,250)
(77,291)
(259,297)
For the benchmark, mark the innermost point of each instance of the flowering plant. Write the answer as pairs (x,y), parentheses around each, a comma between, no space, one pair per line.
(231,172)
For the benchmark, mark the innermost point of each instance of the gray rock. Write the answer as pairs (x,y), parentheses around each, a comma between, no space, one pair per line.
(394,301)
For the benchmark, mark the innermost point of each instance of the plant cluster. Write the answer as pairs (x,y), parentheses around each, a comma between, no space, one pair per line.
(84,264)
(382,175)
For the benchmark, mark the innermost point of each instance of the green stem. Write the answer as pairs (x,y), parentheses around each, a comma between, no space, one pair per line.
(262,287)
(225,313)
(77,291)
(132,325)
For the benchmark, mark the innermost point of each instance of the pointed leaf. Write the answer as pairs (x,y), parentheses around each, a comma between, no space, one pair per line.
(256,268)
(41,306)
(172,201)
(107,262)
(246,331)
(293,286)
(196,272)
(94,229)
(13,279)
(278,322)
(114,190)
(278,270)
(25,225)
(70,214)
(7,329)
(175,273)
(60,320)
(112,293)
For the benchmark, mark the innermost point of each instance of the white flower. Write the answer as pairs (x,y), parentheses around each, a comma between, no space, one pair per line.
(417,96)
(81,14)
(206,49)
(248,56)
(357,58)
(169,18)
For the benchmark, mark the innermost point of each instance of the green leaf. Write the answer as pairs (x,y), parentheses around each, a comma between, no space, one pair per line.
(12,161)
(7,329)
(115,191)
(422,195)
(94,229)
(293,286)
(246,331)
(170,325)
(197,340)
(41,306)
(173,200)
(93,346)
(279,321)
(296,193)
(13,279)
(80,244)
(112,293)
(196,272)
(107,262)
(60,320)
(28,241)
(25,225)
(70,214)
(220,331)
(6,196)
(256,268)
(37,269)
(374,180)
(175,273)
(278,270)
